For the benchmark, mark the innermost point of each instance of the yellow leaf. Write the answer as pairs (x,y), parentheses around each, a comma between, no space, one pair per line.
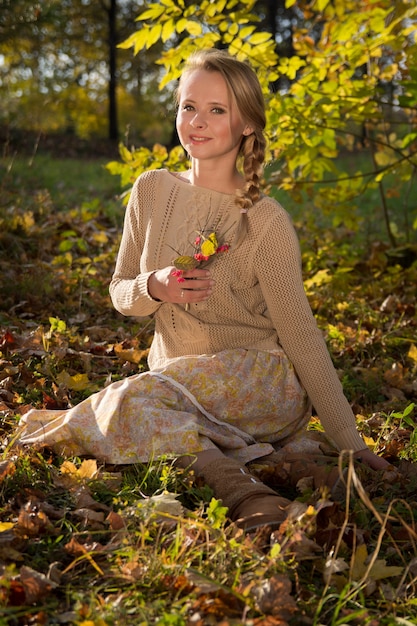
(131,355)
(194,28)
(155,10)
(87,469)
(68,467)
(136,41)
(168,29)
(154,34)
(5,526)
(412,353)
(321,277)
(369,441)
(383,157)
(246,31)
(322,4)
(258,38)
(100,237)
(78,382)
(379,569)
(209,245)
(358,567)
(181,25)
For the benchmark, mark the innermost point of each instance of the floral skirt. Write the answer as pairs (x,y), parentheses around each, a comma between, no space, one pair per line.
(247,403)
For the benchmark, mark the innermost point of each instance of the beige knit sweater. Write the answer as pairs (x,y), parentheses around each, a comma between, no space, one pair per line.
(258,300)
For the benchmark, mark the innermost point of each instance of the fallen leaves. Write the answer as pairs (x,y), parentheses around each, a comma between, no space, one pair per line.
(86,470)
(27,587)
(364,569)
(275,599)
(7,468)
(36,585)
(72,525)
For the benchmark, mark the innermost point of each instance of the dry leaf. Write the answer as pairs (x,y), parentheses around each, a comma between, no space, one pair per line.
(7,468)
(333,567)
(13,596)
(87,469)
(133,570)
(115,521)
(131,355)
(379,569)
(78,382)
(32,520)
(84,500)
(88,515)
(35,584)
(274,598)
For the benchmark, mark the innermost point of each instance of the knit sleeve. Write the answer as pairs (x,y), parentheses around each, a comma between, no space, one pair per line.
(277,265)
(129,285)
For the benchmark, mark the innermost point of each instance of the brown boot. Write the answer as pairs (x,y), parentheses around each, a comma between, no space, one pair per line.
(316,470)
(250,502)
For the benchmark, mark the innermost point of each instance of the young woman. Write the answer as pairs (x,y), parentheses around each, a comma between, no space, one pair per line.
(237,358)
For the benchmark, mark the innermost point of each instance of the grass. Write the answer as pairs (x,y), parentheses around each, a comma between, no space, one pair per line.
(69,182)
(92,545)
(73,182)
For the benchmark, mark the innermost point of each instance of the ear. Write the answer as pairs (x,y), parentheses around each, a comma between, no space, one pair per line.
(248,131)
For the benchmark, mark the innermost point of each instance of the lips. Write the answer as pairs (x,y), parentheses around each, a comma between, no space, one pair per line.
(196,139)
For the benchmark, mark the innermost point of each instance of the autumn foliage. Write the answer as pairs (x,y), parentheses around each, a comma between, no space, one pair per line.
(94,545)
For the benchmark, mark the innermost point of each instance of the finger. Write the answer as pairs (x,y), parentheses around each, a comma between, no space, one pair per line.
(188,296)
(194,284)
(196,273)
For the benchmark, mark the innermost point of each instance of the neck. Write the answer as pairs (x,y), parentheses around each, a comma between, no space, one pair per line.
(215,178)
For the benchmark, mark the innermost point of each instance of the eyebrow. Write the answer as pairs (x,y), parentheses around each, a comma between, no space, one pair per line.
(219,104)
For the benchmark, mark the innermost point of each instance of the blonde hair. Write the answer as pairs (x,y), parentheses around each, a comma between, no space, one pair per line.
(246,91)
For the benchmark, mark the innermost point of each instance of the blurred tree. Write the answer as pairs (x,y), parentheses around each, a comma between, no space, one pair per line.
(60,69)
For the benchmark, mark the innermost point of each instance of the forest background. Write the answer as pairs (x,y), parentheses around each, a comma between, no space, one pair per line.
(86,105)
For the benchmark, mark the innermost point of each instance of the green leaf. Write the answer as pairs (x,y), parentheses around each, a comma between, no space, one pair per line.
(185,263)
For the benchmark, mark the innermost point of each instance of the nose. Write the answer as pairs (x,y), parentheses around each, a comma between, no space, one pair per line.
(198,121)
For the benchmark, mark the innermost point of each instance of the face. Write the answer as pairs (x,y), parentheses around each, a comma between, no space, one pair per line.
(208,122)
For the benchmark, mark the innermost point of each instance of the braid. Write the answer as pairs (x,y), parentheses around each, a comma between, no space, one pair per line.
(245,89)
(253,152)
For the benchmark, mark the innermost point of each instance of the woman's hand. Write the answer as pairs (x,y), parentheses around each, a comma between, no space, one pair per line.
(196,286)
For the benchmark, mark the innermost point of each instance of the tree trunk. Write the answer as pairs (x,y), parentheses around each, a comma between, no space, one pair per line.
(113,122)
